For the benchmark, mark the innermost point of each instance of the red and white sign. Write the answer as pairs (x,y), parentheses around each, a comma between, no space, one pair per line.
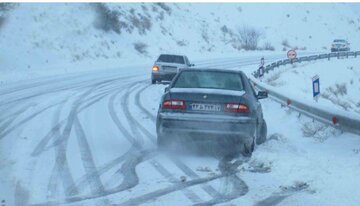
(291,54)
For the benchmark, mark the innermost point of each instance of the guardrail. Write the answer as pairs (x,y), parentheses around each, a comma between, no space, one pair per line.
(328,56)
(343,120)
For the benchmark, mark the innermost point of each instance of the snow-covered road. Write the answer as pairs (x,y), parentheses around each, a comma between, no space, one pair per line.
(89,139)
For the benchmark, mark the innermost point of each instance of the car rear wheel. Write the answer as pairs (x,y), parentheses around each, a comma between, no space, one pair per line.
(153,81)
(261,135)
(248,149)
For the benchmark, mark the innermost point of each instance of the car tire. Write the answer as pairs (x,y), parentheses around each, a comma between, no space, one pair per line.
(153,81)
(261,137)
(248,149)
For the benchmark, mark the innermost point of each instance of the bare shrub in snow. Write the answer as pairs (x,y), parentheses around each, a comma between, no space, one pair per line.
(164,7)
(107,20)
(141,47)
(249,37)
(4,7)
(142,23)
(160,16)
(205,36)
(317,130)
(339,90)
(224,29)
(2,21)
(268,46)
(272,80)
(285,43)
(335,95)
(181,43)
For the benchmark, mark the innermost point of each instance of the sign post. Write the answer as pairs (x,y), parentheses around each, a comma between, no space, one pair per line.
(316,87)
(261,69)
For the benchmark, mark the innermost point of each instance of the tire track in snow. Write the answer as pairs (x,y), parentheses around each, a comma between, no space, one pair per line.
(15,114)
(61,168)
(189,172)
(96,186)
(161,169)
(278,197)
(130,166)
(229,171)
(41,147)
(52,189)
(4,133)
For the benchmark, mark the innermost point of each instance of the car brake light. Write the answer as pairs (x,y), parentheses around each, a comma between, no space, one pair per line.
(174,104)
(235,107)
(155,68)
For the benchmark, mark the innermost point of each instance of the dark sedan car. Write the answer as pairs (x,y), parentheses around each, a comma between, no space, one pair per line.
(211,105)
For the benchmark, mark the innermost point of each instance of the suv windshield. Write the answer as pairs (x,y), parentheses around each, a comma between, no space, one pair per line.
(209,79)
(171,59)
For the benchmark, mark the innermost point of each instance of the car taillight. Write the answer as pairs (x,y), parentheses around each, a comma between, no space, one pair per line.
(155,68)
(333,45)
(174,104)
(235,107)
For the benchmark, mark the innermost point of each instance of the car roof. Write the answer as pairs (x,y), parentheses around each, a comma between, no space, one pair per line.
(172,55)
(212,69)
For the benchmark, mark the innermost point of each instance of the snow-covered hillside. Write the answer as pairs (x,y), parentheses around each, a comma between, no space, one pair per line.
(339,82)
(56,38)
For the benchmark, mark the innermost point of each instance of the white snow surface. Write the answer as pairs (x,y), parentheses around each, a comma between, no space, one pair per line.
(87,134)
(91,140)
(42,39)
(339,83)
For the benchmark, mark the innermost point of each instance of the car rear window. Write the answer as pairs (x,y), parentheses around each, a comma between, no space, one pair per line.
(171,59)
(209,79)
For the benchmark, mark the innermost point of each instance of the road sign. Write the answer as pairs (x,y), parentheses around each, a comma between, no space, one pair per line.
(291,54)
(316,87)
(261,71)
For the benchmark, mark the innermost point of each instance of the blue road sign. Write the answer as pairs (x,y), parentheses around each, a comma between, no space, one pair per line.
(316,87)
(261,71)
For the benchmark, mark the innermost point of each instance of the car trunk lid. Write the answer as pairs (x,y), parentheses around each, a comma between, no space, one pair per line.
(203,100)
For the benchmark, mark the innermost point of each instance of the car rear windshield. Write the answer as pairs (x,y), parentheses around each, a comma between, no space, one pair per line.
(339,40)
(209,79)
(171,59)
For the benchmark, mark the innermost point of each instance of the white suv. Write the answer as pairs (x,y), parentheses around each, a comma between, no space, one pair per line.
(167,66)
(340,45)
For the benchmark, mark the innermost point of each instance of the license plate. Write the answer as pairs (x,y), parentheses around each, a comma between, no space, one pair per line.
(170,69)
(205,107)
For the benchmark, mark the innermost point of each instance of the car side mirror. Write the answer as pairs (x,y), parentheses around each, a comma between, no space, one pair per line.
(262,94)
(166,89)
